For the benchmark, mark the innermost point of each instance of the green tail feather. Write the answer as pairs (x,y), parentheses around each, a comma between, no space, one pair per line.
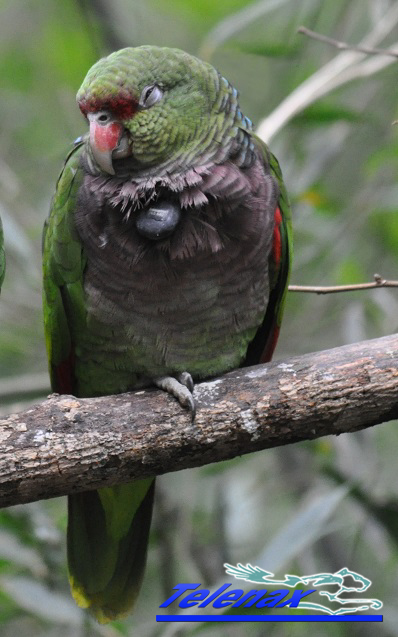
(107,545)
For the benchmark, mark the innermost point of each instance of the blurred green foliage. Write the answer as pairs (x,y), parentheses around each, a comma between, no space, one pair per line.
(339,156)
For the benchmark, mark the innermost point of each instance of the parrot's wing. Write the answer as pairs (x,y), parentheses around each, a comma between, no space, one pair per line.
(107,529)
(63,265)
(261,348)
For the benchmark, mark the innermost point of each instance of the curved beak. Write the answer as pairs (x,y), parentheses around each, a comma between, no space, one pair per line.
(108,140)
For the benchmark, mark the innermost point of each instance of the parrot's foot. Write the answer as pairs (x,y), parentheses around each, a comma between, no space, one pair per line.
(180,387)
(186,379)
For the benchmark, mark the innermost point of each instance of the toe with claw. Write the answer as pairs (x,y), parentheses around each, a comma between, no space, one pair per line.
(181,388)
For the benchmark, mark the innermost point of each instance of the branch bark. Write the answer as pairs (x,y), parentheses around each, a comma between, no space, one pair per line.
(67,444)
(378,282)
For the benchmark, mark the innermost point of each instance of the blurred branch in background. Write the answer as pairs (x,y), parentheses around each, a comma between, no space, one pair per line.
(235,23)
(344,46)
(344,68)
(28,386)
(108,36)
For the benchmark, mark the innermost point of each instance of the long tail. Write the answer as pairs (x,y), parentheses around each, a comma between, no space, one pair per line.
(107,540)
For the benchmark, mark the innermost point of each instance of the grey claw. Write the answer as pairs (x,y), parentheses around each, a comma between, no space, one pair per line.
(185,378)
(179,391)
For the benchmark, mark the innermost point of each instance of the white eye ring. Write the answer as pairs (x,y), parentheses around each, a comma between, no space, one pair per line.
(150,95)
(101,117)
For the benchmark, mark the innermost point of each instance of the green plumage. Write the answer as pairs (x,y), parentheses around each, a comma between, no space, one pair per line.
(123,309)
(107,537)
(2,256)
(102,539)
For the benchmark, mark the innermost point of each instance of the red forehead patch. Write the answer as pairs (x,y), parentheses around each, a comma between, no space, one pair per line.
(121,106)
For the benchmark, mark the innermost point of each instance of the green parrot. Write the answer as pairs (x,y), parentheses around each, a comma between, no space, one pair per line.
(2,256)
(166,260)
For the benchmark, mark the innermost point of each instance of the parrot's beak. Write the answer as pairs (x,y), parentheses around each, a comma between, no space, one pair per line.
(108,140)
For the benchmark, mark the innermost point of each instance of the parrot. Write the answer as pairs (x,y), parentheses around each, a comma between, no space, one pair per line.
(166,259)
(2,256)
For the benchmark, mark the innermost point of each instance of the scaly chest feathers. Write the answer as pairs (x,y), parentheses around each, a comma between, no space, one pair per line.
(191,301)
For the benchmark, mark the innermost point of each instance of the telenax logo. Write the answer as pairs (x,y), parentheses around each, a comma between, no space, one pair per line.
(224,601)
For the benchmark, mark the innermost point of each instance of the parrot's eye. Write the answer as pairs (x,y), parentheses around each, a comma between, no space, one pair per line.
(150,95)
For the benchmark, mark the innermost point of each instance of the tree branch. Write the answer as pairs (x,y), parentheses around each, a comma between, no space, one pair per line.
(378,282)
(344,46)
(65,445)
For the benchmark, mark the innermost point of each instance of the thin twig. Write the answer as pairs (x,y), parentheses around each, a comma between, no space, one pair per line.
(344,46)
(378,282)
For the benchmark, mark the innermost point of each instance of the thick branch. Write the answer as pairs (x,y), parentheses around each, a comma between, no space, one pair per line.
(65,444)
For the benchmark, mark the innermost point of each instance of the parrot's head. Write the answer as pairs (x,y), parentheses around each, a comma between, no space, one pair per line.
(151,106)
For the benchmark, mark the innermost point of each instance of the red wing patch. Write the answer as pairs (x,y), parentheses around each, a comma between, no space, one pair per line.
(261,348)
(266,356)
(277,241)
(64,375)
